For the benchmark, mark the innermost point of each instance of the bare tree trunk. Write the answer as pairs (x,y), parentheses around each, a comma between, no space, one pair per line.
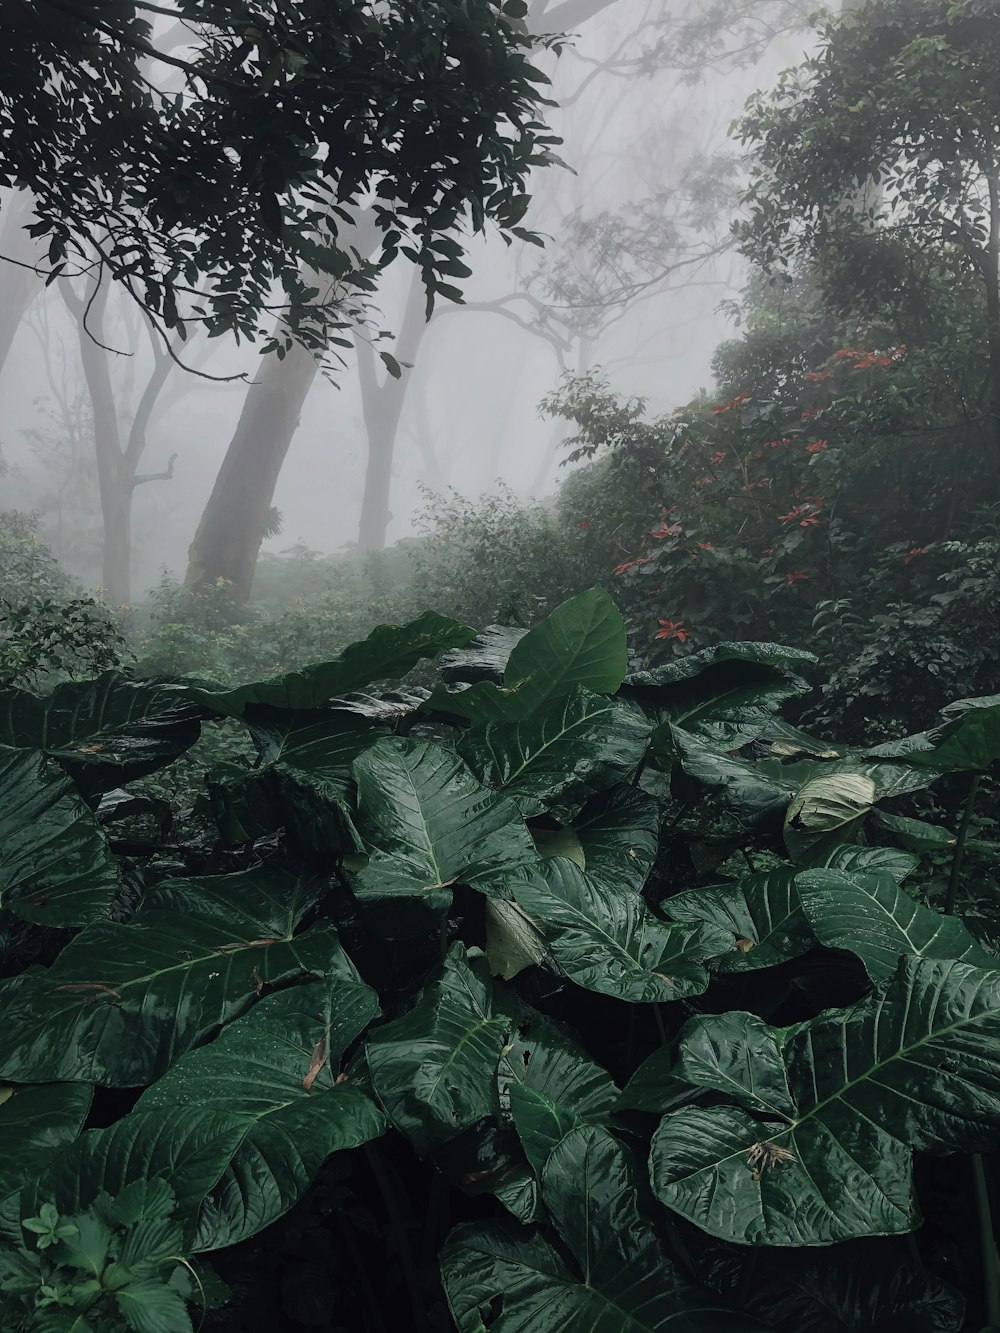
(383,407)
(234,522)
(235,519)
(117,462)
(20,285)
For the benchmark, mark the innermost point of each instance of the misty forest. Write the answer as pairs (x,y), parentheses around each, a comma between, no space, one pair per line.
(499,666)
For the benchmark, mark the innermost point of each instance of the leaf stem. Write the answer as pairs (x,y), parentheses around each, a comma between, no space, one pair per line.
(988,1245)
(959,852)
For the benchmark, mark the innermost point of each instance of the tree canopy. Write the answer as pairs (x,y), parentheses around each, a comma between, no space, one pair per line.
(218,165)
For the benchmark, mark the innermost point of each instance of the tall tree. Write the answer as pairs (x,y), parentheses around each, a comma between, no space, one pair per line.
(118,448)
(885,146)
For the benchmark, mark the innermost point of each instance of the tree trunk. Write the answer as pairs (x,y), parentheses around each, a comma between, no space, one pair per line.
(114,485)
(991,277)
(235,519)
(383,407)
(229,536)
(20,285)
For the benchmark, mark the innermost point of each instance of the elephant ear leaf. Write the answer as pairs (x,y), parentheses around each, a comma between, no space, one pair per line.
(872,917)
(914,1066)
(582,643)
(615,1278)
(279,1067)
(388,653)
(56,868)
(967,741)
(103,732)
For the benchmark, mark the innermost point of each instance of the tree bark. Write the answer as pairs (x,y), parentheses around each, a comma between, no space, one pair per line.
(235,519)
(382,404)
(20,285)
(234,522)
(117,461)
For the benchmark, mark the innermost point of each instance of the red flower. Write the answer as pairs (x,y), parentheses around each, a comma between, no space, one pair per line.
(796,576)
(631,564)
(668,530)
(813,376)
(672,629)
(914,552)
(817,446)
(583,525)
(703,481)
(733,402)
(848,353)
(779,444)
(809,412)
(705,546)
(719,457)
(768,550)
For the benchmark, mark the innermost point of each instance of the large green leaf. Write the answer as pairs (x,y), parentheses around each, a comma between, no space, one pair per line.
(561,754)
(389,652)
(608,940)
(103,732)
(305,781)
(34,1123)
(429,825)
(445,1072)
(871,916)
(434,1069)
(514,1281)
(912,1067)
(866,860)
(55,866)
(189,1151)
(485,658)
(762,915)
(122,1002)
(762,791)
(618,835)
(582,643)
(726,694)
(279,1067)
(825,812)
(968,739)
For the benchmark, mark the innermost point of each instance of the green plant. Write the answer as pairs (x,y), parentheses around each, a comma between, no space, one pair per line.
(115,1267)
(603,987)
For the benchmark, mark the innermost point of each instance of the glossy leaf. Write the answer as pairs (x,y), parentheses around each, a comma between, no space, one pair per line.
(762,915)
(513,940)
(562,754)
(851,859)
(388,653)
(726,694)
(582,643)
(872,917)
(618,835)
(485,658)
(608,940)
(913,1067)
(434,1069)
(56,868)
(825,811)
(34,1123)
(103,732)
(122,1002)
(514,1281)
(279,1067)
(189,1152)
(967,741)
(429,825)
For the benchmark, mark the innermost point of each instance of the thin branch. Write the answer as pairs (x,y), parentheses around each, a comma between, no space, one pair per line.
(168,475)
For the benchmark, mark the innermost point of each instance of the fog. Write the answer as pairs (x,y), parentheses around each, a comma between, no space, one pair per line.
(648,153)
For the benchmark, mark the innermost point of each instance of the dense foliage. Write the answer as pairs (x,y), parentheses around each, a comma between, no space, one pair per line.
(591,991)
(276,130)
